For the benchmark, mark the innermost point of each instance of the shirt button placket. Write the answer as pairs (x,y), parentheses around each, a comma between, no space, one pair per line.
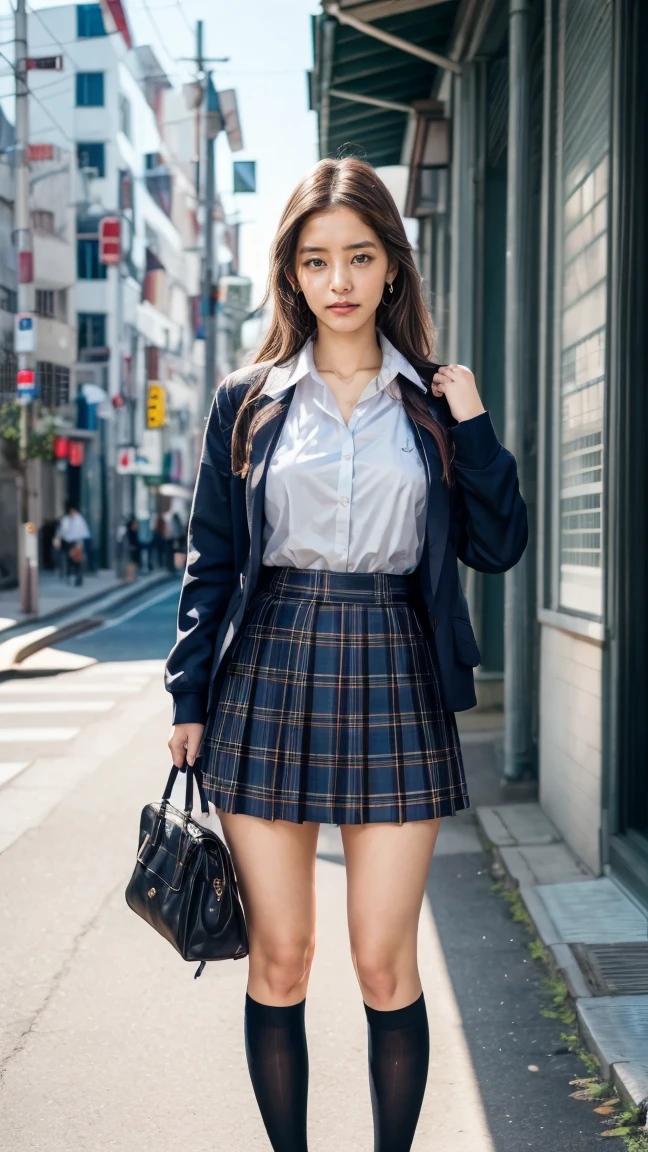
(344,507)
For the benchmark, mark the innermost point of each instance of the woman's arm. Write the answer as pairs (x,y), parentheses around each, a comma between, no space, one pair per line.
(209,575)
(492,514)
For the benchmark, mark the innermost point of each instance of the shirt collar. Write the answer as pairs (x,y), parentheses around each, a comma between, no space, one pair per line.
(393,363)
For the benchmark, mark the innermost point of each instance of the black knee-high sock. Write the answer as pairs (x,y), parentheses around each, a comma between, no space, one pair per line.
(399,1053)
(277,1056)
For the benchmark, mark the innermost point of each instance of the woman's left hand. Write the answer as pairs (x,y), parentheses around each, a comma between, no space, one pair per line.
(457,384)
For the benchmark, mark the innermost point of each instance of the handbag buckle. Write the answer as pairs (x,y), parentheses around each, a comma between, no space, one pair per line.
(219,884)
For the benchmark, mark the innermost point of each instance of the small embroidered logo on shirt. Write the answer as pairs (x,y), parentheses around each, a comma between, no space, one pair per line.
(409,447)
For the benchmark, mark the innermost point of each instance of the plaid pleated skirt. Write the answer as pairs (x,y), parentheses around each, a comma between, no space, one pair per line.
(330,707)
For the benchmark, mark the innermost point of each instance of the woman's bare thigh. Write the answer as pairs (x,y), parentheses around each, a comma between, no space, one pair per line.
(387,867)
(274,862)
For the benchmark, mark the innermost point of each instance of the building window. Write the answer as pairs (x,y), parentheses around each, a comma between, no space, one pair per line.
(45,302)
(125,115)
(8,371)
(43,221)
(582,199)
(89,21)
(92,156)
(92,331)
(8,299)
(53,384)
(90,89)
(88,264)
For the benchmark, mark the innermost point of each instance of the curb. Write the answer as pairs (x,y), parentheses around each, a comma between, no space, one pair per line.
(120,587)
(630,1081)
(18,648)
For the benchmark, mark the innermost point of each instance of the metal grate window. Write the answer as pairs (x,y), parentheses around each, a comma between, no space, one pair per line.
(53,384)
(586,44)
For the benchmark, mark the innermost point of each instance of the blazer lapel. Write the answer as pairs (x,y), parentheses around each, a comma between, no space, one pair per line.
(438,510)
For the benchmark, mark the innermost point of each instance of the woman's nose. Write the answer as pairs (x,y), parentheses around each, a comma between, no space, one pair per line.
(340,278)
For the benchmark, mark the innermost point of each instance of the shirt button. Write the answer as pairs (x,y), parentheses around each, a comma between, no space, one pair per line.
(347,455)
(344,501)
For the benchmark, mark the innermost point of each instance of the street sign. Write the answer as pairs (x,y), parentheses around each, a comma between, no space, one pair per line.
(24,333)
(36,152)
(44,63)
(26,386)
(155,406)
(110,240)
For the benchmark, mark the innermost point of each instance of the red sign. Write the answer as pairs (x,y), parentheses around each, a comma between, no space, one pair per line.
(44,63)
(61,447)
(110,240)
(36,152)
(25,267)
(26,379)
(75,453)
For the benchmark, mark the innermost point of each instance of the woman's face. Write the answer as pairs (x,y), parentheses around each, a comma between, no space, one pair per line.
(341,260)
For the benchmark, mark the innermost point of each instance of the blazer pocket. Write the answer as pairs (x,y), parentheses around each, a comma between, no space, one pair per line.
(465,645)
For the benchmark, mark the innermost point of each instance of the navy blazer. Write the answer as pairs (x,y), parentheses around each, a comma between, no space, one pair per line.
(481,519)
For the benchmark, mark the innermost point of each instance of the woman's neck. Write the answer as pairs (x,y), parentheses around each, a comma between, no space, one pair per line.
(344,355)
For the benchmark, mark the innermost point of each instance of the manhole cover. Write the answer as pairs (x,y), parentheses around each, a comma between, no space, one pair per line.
(614,969)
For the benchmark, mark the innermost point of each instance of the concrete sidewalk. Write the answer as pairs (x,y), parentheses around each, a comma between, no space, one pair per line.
(595,931)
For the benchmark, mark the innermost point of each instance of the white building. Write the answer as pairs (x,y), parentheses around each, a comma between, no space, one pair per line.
(134,321)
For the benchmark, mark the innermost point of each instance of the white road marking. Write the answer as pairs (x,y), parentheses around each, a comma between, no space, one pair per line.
(50,687)
(42,707)
(36,735)
(10,769)
(173,591)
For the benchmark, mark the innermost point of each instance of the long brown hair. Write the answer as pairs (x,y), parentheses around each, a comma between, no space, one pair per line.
(405,321)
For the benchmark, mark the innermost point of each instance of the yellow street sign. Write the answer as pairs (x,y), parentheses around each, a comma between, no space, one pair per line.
(155,406)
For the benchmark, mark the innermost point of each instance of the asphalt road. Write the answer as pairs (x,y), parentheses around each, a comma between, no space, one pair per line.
(106,1041)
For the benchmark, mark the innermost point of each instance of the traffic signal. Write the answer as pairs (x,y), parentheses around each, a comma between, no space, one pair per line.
(155,406)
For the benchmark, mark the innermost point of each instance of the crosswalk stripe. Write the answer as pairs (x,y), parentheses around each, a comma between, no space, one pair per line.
(42,707)
(36,735)
(50,688)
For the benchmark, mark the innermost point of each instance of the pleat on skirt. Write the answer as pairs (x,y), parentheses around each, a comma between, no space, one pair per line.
(330,706)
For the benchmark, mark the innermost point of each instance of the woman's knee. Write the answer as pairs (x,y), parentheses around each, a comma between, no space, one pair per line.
(380,973)
(283,965)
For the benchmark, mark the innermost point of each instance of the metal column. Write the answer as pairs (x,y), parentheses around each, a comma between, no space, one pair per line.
(519,756)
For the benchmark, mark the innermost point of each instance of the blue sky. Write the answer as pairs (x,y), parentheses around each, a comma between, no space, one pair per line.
(269,45)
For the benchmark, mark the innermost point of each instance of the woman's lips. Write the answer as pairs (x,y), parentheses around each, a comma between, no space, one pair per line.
(342,307)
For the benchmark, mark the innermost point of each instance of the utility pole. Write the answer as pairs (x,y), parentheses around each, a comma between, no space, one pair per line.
(209,315)
(28,538)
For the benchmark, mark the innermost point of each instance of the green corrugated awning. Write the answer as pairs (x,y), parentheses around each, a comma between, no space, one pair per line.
(348,59)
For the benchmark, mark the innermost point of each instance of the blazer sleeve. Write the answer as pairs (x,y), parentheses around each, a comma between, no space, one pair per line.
(493,521)
(209,574)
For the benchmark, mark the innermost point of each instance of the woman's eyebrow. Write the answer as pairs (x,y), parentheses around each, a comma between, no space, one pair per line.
(313,248)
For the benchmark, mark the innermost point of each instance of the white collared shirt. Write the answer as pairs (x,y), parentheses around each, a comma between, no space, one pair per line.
(345,497)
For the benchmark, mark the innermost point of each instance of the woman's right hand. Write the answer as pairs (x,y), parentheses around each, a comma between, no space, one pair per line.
(185,741)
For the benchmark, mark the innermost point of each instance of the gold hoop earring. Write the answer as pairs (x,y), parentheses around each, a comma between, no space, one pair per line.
(391,292)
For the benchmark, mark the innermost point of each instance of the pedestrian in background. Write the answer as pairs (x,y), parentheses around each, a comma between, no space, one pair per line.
(71,534)
(319,664)
(133,549)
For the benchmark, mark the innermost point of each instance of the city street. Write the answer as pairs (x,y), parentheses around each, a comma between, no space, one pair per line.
(106,1041)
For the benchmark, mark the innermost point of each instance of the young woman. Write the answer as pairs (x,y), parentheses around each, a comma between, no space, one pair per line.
(324,641)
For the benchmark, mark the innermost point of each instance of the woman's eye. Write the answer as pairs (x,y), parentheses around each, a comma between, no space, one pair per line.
(363,257)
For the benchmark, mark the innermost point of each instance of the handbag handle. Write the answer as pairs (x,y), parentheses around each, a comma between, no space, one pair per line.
(192,772)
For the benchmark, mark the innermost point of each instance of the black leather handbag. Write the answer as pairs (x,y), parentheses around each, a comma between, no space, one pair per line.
(183,883)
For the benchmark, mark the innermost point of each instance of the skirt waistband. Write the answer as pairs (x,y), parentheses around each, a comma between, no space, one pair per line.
(289,583)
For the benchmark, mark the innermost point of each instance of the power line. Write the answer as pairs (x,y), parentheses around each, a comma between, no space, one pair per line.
(53,119)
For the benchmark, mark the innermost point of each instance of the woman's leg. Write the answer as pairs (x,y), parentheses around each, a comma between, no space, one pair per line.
(387,867)
(275,870)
